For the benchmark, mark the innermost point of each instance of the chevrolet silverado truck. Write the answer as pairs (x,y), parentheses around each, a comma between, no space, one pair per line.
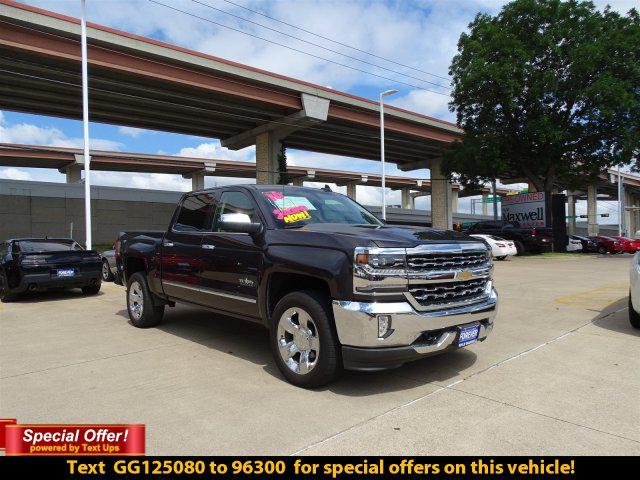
(336,287)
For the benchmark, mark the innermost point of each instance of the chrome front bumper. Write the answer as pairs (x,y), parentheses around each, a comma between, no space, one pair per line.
(413,333)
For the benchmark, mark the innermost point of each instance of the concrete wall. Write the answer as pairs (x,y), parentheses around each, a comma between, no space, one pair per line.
(40,208)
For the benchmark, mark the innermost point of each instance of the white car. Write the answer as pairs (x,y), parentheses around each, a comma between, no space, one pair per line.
(634,291)
(574,245)
(500,247)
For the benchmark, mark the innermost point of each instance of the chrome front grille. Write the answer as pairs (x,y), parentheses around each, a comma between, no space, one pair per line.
(439,295)
(447,261)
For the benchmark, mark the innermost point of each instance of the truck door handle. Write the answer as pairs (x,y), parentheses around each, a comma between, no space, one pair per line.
(207,246)
(168,244)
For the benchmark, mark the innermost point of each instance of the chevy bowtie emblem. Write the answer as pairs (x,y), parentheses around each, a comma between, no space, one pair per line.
(465,275)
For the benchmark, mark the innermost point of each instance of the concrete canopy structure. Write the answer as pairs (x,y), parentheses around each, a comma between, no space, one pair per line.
(145,83)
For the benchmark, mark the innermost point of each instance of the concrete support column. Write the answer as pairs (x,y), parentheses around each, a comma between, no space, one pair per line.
(571,212)
(268,147)
(73,173)
(408,200)
(592,210)
(485,204)
(298,182)
(197,181)
(351,190)
(635,217)
(628,215)
(440,197)
(454,201)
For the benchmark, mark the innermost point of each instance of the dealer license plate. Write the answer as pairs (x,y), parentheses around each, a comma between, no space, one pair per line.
(66,272)
(468,335)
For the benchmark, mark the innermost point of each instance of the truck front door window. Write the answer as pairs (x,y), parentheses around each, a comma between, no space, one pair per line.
(234,202)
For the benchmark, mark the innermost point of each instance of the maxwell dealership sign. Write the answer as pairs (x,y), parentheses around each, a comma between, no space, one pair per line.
(527,209)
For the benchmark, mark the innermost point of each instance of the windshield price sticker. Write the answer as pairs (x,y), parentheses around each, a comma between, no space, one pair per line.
(290,209)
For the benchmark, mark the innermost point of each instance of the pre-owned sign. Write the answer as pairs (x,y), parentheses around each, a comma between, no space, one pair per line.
(527,209)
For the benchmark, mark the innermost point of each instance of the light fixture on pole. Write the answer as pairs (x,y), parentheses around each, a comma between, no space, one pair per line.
(85,124)
(384,193)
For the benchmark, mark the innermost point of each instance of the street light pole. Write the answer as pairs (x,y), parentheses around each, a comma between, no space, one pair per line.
(384,188)
(85,125)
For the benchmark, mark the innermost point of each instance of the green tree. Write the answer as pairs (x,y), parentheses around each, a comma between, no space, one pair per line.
(548,92)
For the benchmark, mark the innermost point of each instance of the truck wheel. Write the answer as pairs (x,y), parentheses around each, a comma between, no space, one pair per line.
(519,247)
(5,297)
(303,341)
(91,289)
(107,276)
(142,312)
(634,317)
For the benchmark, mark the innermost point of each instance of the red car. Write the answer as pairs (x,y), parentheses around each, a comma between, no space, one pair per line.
(630,245)
(608,244)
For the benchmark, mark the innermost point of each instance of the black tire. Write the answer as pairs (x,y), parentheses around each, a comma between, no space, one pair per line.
(91,289)
(602,250)
(519,247)
(504,257)
(328,358)
(634,317)
(107,275)
(4,296)
(149,314)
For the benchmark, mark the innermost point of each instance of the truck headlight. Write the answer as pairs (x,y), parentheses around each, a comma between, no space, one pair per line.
(380,262)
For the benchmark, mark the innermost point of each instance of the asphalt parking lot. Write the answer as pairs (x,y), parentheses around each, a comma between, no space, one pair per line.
(559,375)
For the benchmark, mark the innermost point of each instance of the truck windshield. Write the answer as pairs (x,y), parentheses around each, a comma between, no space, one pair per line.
(296,207)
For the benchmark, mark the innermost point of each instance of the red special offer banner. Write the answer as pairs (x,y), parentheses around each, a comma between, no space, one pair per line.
(75,439)
(3,423)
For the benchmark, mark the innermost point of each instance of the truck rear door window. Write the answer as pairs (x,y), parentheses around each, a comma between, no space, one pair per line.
(194,211)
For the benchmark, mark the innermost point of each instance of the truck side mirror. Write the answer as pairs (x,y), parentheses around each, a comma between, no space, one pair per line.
(239,223)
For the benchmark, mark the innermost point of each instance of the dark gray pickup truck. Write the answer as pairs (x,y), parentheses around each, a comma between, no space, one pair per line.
(335,286)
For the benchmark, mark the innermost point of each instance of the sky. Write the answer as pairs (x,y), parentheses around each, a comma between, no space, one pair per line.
(419,37)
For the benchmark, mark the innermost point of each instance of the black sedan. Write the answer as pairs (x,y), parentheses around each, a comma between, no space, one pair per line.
(588,245)
(38,264)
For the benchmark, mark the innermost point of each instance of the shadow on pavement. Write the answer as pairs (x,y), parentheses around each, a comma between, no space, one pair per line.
(615,317)
(250,342)
(52,296)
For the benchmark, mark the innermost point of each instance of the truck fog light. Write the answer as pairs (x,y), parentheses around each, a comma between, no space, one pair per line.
(384,325)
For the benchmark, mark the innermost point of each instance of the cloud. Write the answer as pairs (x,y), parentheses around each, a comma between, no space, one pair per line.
(131,131)
(29,134)
(215,150)
(427,103)
(14,174)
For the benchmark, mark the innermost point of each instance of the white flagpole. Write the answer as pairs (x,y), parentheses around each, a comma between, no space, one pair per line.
(85,124)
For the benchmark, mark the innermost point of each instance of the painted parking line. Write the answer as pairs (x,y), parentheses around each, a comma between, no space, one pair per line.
(595,297)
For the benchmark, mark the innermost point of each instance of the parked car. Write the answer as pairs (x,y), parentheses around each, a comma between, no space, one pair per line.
(500,247)
(573,244)
(607,244)
(37,264)
(336,287)
(588,245)
(634,292)
(629,245)
(526,240)
(108,264)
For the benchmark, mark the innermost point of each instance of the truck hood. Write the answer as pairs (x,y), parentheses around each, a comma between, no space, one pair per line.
(391,235)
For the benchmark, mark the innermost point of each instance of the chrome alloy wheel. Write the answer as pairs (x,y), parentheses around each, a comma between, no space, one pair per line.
(106,271)
(136,300)
(298,341)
